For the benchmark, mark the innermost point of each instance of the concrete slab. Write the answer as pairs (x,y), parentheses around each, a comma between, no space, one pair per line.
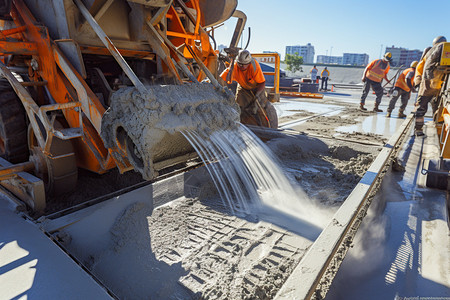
(403,248)
(33,267)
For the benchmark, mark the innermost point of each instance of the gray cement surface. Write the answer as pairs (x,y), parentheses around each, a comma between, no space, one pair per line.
(176,240)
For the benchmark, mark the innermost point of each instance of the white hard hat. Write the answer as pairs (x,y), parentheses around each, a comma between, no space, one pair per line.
(244,57)
(439,39)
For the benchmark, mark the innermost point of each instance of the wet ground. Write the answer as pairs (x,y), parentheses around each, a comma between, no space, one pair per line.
(195,247)
(175,239)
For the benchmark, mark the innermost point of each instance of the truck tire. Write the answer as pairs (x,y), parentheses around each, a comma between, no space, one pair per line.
(13,126)
(272,115)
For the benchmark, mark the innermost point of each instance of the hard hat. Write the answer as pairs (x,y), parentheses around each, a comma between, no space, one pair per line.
(244,57)
(387,56)
(439,39)
(414,64)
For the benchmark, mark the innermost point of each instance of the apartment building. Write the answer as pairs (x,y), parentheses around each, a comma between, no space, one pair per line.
(355,59)
(306,51)
(403,56)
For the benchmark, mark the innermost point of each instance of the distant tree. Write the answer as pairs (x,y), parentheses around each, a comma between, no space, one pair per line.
(294,62)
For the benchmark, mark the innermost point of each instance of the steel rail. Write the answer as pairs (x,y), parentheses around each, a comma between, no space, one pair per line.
(313,276)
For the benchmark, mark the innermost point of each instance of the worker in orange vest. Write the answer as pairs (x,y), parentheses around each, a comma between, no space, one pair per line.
(430,80)
(250,93)
(325,74)
(374,73)
(314,72)
(403,87)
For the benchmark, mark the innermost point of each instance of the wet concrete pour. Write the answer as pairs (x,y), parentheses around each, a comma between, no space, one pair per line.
(194,248)
(146,244)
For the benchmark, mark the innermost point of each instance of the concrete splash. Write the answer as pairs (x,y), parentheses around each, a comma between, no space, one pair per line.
(146,128)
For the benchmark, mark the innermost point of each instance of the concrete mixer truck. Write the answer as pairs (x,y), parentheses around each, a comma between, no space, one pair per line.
(102,84)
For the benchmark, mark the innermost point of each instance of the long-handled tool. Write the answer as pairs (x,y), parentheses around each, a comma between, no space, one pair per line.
(258,106)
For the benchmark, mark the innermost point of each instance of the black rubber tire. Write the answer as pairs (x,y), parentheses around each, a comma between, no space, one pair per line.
(272,115)
(13,125)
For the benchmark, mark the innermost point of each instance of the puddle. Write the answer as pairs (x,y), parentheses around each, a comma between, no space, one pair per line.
(377,124)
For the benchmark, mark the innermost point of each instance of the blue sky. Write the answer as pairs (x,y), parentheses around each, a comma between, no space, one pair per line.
(332,26)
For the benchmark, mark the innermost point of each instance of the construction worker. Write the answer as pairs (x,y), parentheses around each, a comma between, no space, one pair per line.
(325,74)
(429,79)
(372,77)
(403,87)
(250,93)
(314,72)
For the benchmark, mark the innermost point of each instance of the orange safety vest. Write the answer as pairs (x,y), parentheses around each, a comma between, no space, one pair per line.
(248,79)
(401,80)
(376,73)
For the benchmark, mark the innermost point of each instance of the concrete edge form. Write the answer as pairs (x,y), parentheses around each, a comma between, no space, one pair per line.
(33,266)
(313,276)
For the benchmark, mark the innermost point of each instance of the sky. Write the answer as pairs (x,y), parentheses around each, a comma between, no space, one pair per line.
(334,27)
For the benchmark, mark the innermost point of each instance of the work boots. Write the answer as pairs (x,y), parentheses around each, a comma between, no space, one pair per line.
(418,129)
(419,132)
(376,109)
(388,115)
(361,106)
(401,114)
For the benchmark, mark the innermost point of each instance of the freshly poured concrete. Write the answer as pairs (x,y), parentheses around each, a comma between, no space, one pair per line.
(403,247)
(184,249)
(374,124)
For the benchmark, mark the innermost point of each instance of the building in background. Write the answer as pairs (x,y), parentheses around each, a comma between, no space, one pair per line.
(355,59)
(402,56)
(326,59)
(307,52)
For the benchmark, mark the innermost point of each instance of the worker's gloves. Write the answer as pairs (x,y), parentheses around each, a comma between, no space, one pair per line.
(363,79)
(262,100)
(254,107)
(259,93)
(259,102)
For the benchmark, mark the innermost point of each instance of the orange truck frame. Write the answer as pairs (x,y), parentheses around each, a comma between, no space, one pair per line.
(63,112)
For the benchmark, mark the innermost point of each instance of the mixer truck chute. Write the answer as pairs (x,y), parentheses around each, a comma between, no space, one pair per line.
(101,84)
